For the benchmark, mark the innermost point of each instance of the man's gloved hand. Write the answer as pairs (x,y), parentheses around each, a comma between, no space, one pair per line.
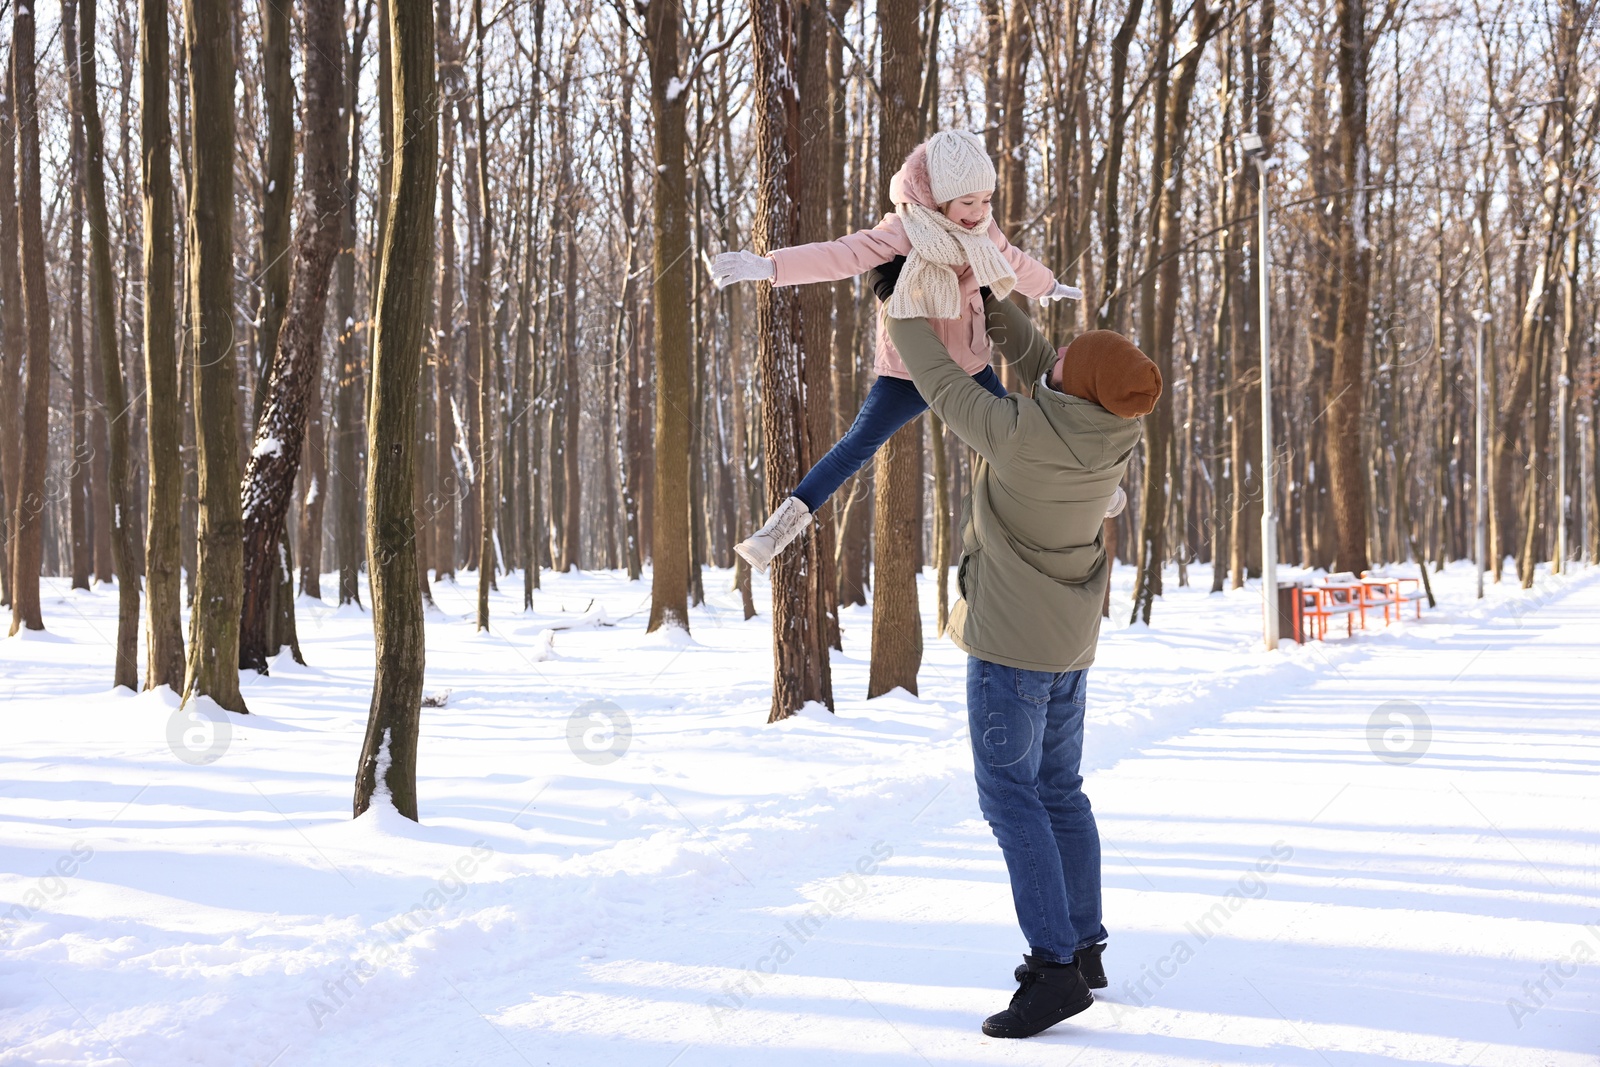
(1062,292)
(1119,500)
(733,267)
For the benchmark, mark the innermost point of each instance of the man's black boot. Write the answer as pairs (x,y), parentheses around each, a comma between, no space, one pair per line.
(1088,963)
(1046,994)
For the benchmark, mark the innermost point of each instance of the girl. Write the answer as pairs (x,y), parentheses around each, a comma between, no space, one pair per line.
(952,248)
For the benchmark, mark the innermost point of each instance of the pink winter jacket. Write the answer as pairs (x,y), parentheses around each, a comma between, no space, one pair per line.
(859,252)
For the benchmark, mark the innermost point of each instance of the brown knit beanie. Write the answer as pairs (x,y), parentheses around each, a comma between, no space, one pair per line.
(1107,369)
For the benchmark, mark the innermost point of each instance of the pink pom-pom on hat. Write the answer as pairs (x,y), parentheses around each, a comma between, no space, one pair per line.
(910,184)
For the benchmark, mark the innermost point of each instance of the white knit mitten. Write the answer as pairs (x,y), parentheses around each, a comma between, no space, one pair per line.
(733,267)
(1062,292)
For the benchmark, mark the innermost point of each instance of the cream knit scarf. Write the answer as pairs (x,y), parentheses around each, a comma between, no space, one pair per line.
(927,287)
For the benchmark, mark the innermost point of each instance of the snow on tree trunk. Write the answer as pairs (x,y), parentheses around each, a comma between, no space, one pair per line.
(389,751)
(297,366)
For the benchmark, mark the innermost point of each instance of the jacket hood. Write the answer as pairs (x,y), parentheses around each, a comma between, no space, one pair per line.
(911,184)
(1097,439)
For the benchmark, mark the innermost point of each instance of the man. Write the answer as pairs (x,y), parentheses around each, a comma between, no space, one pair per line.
(1032,580)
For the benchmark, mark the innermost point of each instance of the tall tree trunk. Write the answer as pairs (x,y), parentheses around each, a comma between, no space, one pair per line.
(1012,176)
(627,390)
(385,169)
(313,503)
(93,477)
(538,317)
(1261,82)
(850,505)
(79,517)
(163,552)
(12,333)
(296,367)
(213,668)
(814,140)
(897,534)
(446,376)
(349,402)
(669,583)
(800,660)
(1149,541)
(1218,366)
(1107,308)
(124,543)
(100,473)
(1244,427)
(470,363)
(78,475)
(388,763)
(486,398)
(28,500)
(571,517)
(1168,206)
(468,399)
(1347,454)
(277,175)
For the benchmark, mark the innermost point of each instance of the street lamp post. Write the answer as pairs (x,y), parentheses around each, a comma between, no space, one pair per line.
(1257,151)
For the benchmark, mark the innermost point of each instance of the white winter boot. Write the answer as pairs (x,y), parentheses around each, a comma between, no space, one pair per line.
(784,526)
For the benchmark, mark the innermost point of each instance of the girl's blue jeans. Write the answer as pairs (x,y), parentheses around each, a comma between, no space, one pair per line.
(890,404)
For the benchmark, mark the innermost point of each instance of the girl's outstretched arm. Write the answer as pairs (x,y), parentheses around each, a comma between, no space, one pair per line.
(823,261)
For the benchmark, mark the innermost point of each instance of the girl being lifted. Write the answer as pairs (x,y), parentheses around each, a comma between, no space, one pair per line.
(952,251)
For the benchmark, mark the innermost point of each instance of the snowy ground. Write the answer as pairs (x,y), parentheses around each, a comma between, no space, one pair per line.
(1299,870)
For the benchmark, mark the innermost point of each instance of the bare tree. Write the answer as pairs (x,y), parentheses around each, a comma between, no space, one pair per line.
(79,517)
(12,333)
(349,387)
(296,367)
(1345,443)
(1159,316)
(669,582)
(444,546)
(388,764)
(27,502)
(124,537)
(313,503)
(163,556)
(278,177)
(814,138)
(800,657)
(481,264)
(627,341)
(852,504)
(214,628)
(1108,306)
(897,533)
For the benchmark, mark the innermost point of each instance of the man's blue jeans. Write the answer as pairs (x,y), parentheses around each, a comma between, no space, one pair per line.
(1027,744)
(890,404)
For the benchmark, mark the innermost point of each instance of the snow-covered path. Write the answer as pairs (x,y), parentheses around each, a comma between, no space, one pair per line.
(1369,852)
(1286,886)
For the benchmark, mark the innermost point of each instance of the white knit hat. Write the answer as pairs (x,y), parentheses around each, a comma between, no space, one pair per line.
(958,164)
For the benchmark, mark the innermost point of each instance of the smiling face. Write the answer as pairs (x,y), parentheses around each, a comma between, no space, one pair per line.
(967,211)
